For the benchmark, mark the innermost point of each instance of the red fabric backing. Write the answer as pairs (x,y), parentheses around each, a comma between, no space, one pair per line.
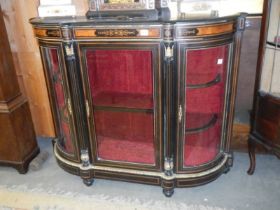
(201,68)
(125,128)
(128,151)
(202,103)
(121,77)
(207,141)
(59,93)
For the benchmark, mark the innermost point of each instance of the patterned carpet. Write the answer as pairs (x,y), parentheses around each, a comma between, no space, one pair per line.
(51,188)
(15,200)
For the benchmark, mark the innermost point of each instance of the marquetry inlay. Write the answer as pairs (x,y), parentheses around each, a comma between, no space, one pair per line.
(51,33)
(117,33)
(205,30)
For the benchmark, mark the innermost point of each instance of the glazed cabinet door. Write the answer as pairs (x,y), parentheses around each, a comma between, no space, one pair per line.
(61,102)
(202,85)
(123,99)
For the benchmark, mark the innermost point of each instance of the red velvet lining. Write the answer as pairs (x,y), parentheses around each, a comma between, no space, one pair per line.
(201,68)
(125,128)
(59,93)
(121,78)
(202,65)
(202,103)
(202,147)
(123,150)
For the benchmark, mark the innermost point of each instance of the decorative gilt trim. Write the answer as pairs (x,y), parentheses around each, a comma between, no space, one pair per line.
(69,106)
(69,50)
(180,114)
(117,33)
(169,51)
(67,33)
(168,166)
(87,108)
(85,158)
(142,172)
(47,32)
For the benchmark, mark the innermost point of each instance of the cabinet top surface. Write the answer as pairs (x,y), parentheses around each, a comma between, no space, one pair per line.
(65,28)
(82,20)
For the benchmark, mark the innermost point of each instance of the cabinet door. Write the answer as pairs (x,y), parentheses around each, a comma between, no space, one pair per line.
(203,77)
(60,98)
(123,89)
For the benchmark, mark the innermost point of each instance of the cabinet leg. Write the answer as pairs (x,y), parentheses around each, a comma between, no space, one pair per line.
(168,192)
(88,182)
(252,156)
(22,169)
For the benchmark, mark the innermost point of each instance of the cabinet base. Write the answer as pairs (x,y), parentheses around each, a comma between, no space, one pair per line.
(22,167)
(265,131)
(145,177)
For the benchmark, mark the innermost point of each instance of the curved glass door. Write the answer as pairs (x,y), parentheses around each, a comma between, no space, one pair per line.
(122,90)
(60,100)
(205,79)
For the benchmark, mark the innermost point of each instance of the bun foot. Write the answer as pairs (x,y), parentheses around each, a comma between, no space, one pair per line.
(88,182)
(168,192)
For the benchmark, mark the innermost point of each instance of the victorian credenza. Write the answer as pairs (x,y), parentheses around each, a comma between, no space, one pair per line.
(143,101)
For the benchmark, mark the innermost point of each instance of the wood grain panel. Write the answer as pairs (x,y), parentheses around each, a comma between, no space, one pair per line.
(27,61)
(209,30)
(218,29)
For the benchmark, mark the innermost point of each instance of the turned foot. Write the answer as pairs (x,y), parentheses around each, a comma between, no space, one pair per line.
(168,192)
(252,156)
(88,182)
(227,169)
(229,163)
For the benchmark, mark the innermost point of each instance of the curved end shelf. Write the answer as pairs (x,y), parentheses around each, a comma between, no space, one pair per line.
(205,85)
(204,127)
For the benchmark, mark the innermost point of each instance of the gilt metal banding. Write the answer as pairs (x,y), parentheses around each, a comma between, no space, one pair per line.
(204,127)
(205,85)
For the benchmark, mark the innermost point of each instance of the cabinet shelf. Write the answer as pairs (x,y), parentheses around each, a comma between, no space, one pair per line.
(122,109)
(205,142)
(204,126)
(125,150)
(123,101)
(207,84)
(273,44)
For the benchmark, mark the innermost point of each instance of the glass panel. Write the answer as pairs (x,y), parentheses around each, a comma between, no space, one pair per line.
(125,136)
(121,83)
(205,89)
(271,60)
(57,84)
